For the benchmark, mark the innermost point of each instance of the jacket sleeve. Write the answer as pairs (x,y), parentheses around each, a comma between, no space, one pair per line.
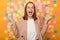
(43,28)
(15,29)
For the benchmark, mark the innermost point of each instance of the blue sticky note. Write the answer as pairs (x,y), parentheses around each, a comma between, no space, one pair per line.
(46,5)
(10,0)
(6,14)
(9,21)
(37,10)
(11,16)
(15,11)
(53,16)
(54,1)
(22,5)
(45,14)
(48,38)
(55,31)
(43,18)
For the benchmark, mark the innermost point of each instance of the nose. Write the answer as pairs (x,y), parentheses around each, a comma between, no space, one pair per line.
(30,8)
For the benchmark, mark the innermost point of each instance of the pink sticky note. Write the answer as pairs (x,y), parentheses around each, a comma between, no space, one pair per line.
(5,28)
(8,4)
(41,1)
(9,35)
(39,17)
(11,6)
(43,8)
(8,30)
(53,26)
(48,31)
(16,2)
(56,13)
(49,34)
(11,10)
(23,1)
(35,1)
(5,11)
(53,39)
(18,7)
(51,0)
(51,13)
(49,5)
(53,22)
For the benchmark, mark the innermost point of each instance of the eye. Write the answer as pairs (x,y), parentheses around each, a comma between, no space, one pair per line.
(32,7)
(28,7)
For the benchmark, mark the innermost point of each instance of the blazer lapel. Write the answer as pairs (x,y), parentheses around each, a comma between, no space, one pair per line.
(25,25)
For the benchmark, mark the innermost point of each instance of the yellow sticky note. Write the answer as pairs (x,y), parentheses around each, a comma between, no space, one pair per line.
(51,9)
(12,3)
(9,14)
(17,15)
(6,38)
(31,0)
(5,31)
(52,30)
(5,18)
(49,16)
(44,2)
(8,26)
(19,2)
(16,20)
(8,11)
(11,32)
(8,8)
(38,1)
(47,11)
(22,15)
(18,11)
(50,26)
(14,14)
(48,2)
(38,14)
(13,36)
(55,5)
(27,1)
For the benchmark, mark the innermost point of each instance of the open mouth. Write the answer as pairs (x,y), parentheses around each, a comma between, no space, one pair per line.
(30,11)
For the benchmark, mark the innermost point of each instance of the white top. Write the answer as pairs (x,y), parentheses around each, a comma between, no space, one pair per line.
(31,31)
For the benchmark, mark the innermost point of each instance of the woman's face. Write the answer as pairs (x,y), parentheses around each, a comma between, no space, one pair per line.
(30,9)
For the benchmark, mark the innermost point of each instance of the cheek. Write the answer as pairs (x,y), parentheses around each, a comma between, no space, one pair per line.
(27,10)
(33,10)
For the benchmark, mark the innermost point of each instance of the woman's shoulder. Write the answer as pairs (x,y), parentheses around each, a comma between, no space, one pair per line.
(39,21)
(20,20)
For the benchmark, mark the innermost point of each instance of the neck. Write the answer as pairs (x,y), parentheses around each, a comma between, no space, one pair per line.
(30,17)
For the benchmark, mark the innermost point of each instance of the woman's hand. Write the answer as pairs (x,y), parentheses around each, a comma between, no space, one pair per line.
(47,20)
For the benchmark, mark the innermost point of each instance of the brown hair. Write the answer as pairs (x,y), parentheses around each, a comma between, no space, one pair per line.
(25,17)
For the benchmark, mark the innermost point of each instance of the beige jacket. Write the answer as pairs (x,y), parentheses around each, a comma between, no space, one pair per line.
(20,29)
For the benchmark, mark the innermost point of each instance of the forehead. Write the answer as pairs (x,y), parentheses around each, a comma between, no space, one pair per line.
(30,5)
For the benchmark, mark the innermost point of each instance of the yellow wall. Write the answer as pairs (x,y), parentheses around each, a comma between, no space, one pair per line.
(3,6)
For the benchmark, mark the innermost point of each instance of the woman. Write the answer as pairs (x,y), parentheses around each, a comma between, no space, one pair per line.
(29,27)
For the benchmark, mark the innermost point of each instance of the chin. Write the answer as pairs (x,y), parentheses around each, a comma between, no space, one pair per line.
(30,15)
